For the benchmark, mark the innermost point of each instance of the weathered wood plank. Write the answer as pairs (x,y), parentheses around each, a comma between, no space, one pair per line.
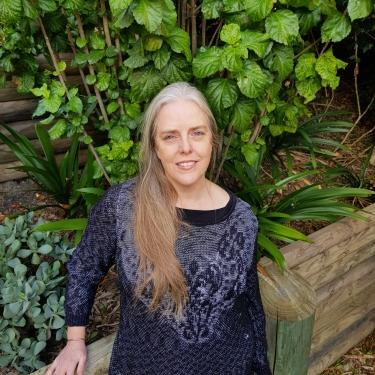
(347,313)
(62,56)
(341,343)
(17,110)
(98,356)
(300,251)
(329,291)
(11,174)
(26,128)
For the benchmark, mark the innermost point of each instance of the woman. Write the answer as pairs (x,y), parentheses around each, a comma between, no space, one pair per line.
(185,255)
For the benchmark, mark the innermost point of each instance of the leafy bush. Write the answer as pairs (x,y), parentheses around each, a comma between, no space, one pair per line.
(32,291)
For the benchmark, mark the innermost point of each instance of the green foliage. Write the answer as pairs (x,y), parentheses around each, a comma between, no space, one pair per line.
(32,291)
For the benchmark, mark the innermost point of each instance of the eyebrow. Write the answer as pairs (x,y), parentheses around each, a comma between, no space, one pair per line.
(205,127)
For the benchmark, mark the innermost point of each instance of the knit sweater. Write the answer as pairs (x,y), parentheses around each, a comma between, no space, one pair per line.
(222,330)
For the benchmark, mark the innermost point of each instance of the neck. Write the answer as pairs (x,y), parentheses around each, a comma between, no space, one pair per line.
(196,196)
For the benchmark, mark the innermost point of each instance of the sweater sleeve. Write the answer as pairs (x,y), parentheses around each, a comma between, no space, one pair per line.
(91,259)
(260,364)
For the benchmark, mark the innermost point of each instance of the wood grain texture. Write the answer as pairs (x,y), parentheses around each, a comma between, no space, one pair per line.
(17,110)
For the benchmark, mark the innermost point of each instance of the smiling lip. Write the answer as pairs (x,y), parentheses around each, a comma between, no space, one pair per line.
(188,164)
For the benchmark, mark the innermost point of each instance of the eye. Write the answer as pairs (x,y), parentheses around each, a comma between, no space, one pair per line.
(168,137)
(198,133)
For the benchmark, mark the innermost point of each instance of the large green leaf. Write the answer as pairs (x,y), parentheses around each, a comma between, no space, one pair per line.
(327,66)
(177,69)
(47,5)
(307,20)
(305,67)
(230,33)
(179,41)
(207,62)
(253,81)
(161,57)
(256,41)
(10,10)
(282,26)
(103,80)
(280,60)
(258,9)
(222,93)
(145,84)
(119,5)
(149,13)
(336,28)
(250,152)
(359,8)
(243,112)
(308,88)
(232,57)
(212,8)
(135,61)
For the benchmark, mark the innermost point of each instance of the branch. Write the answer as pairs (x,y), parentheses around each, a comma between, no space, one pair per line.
(216,31)
(230,133)
(193,28)
(356,73)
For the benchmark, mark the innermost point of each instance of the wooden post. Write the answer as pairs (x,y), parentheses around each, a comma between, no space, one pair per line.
(289,303)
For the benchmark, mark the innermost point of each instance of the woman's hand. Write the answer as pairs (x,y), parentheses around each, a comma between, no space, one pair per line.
(72,358)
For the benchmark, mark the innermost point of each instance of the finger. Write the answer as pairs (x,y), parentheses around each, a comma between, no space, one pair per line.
(50,369)
(81,366)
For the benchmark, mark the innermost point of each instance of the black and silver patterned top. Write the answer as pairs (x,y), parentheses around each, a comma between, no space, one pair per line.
(223,326)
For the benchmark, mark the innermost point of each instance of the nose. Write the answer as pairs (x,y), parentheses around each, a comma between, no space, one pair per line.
(185,145)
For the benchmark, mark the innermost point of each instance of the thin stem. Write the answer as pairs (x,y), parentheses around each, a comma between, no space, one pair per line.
(91,69)
(193,28)
(306,49)
(230,133)
(203,32)
(183,14)
(216,31)
(356,73)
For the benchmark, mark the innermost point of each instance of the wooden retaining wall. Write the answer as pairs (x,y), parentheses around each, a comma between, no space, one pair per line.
(340,266)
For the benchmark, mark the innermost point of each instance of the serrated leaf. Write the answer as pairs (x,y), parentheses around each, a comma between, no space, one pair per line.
(117,6)
(335,28)
(41,91)
(243,112)
(232,58)
(282,26)
(327,66)
(308,88)
(145,84)
(135,61)
(90,79)
(258,9)
(207,62)
(153,43)
(256,41)
(221,93)
(280,60)
(308,20)
(58,129)
(179,41)
(80,42)
(25,83)
(212,8)
(305,67)
(252,81)
(97,41)
(112,107)
(119,134)
(149,13)
(94,56)
(230,33)
(250,152)
(359,8)
(161,57)
(57,88)
(103,80)
(47,5)
(74,105)
(52,103)
(177,69)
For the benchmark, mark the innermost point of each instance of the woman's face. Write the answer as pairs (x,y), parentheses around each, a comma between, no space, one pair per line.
(183,143)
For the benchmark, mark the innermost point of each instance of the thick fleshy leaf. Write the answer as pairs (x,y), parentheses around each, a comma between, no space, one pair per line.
(145,84)
(280,60)
(253,81)
(327,66)
(230,33)
(359,8)
(222,93)
(149,13)
(207,62)
(256,41)
(258,9)
(177,69)
(305,66)
(308,88)
(243,112)
(336,28)
(282,26)
(179,41)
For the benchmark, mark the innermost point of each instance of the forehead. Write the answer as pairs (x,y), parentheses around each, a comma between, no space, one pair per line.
(180,115)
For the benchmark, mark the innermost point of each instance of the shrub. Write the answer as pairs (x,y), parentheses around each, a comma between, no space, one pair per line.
(32,279)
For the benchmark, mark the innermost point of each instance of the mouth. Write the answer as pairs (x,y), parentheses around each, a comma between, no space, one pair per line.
(186,165)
